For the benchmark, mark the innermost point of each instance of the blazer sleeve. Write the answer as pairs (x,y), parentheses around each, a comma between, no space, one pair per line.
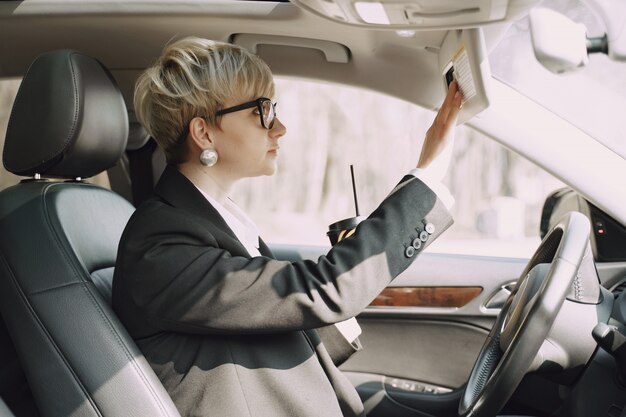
(177,275)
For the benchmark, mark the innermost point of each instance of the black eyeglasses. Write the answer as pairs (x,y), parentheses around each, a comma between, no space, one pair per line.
(267,110)
(267,114)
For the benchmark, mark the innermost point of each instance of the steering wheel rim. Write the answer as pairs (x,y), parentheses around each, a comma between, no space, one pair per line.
(526,318)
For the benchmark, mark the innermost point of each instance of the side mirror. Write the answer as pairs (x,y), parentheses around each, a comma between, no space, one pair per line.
(560,45)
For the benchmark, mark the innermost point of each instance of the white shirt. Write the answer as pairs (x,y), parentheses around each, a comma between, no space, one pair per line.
(242,226)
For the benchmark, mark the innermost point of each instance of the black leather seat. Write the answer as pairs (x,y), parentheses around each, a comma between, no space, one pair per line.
(58,243)
(14,389)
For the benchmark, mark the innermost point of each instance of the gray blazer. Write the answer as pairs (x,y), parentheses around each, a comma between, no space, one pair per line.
(232,335)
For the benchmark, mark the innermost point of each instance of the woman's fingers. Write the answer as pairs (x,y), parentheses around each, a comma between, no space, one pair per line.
(454,110)
(444,111)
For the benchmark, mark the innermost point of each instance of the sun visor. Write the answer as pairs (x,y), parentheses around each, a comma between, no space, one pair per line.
(413,14)
(463,57)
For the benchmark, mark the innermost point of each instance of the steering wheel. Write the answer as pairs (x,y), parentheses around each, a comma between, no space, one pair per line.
(526,319)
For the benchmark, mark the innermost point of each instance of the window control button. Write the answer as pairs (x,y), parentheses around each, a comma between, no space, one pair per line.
(414,386)
(418,388)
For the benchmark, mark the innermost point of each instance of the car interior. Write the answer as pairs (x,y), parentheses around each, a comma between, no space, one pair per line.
(538,336)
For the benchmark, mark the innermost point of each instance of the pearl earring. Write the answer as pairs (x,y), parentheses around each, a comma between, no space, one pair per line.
(208,157)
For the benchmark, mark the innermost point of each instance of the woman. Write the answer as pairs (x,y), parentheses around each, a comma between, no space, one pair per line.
(228,329)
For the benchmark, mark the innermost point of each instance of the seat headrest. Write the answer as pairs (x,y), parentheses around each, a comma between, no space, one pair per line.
(68,120)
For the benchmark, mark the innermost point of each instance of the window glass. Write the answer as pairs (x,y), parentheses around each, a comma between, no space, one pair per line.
(8,91)
(498,194)
(592,98)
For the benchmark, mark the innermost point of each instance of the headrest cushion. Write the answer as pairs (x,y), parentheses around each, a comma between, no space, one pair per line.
(68,120)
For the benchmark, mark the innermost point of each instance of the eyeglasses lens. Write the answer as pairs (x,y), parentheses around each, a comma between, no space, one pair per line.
(268,113)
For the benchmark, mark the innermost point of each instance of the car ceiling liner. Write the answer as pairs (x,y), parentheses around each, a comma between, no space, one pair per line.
(417,14)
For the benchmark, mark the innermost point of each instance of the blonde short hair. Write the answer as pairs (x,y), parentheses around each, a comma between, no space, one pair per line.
(195,77)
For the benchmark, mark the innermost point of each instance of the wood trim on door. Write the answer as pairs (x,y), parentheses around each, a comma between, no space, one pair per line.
(426,296)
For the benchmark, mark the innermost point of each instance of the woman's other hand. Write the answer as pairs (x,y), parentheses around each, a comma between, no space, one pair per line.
(437,149)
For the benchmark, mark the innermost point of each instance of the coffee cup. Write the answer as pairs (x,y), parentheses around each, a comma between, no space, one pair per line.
(343,229)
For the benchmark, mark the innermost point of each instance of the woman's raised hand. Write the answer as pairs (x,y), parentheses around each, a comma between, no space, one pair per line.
(437,149)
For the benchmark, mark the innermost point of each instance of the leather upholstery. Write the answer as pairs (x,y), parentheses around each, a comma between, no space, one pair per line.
(14,389)
(58,244)
(68,119)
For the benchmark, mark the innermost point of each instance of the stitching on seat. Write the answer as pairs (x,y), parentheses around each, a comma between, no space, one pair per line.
(35,316)
(72,131)
(76,104)
(53,288)
(55,233)
(70,260)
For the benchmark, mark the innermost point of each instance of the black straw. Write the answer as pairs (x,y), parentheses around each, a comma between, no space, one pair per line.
(356,202)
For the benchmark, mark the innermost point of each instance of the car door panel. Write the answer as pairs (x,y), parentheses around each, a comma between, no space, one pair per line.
(416,354)
(383,397)
(440,353)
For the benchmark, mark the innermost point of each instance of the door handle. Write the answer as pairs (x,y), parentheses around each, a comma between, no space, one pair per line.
(497,300)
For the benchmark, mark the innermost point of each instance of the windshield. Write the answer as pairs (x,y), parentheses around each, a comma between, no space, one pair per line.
(593,98)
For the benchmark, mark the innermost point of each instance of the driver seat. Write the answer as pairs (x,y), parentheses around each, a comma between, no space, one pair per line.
(58,245)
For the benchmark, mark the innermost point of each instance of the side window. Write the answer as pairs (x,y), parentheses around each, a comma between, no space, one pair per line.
(499,195)
(8,91)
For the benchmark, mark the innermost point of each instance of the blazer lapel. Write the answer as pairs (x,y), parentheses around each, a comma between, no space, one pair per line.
(178,191)
(265,250)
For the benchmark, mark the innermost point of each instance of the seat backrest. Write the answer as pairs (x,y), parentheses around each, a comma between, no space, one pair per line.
(14,389)
(58,244)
